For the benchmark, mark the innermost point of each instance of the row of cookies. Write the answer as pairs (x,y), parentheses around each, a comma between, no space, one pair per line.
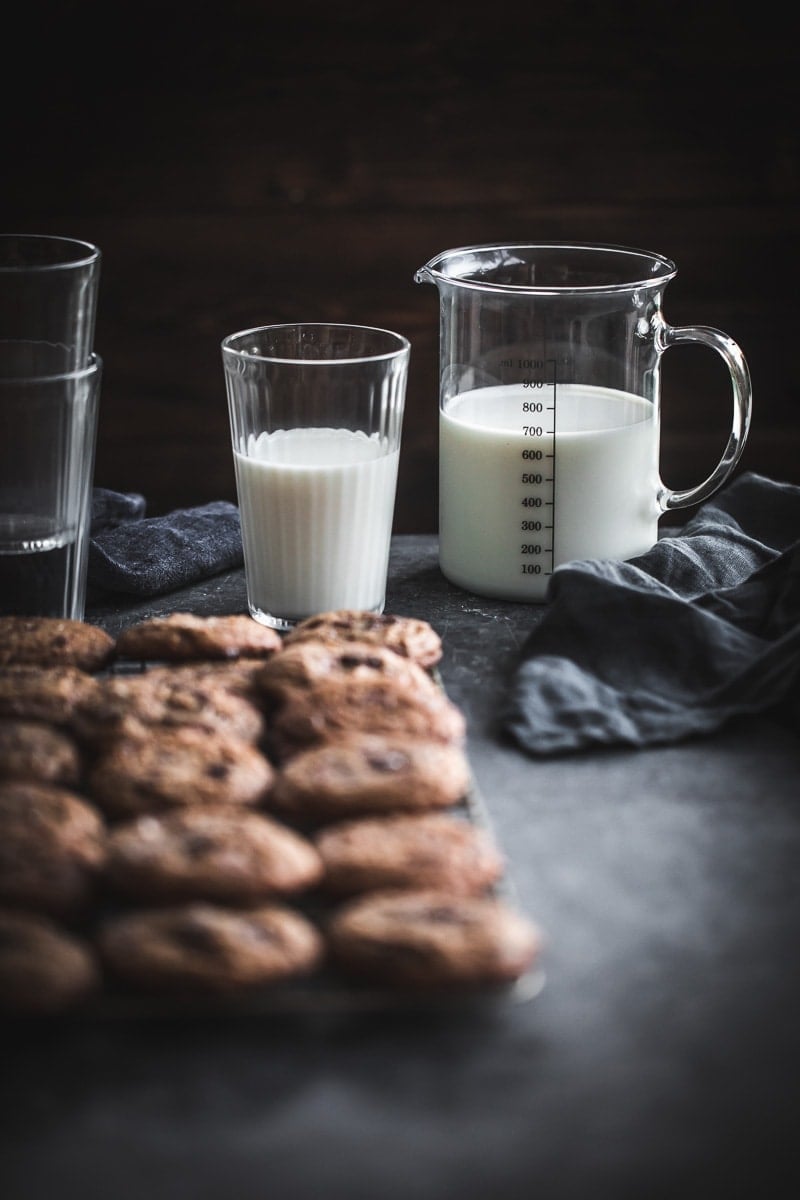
(184,636)
(195,766)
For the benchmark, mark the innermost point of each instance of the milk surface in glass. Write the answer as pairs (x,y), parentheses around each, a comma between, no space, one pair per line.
(316,510)
(603,487)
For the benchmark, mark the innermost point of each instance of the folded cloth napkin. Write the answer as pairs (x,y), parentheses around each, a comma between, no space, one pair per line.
(704,626)
(148,556)
(110,509)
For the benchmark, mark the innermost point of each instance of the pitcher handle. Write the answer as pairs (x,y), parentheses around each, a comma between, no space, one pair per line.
(730,352)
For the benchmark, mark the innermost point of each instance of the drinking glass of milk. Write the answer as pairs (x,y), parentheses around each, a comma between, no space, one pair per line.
(549,409)
(316,414)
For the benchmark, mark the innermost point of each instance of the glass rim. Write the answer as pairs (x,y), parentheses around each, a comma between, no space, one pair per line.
(228,348)
(90,253)
(667,268)
(93,367)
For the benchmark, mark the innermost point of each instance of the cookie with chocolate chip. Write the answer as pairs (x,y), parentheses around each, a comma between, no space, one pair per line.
(53,642)
(176,768)
(183,636)
(237,675)
(52,847)
(368,773)
(334,708)
(431,939)
(410,637)
(36,750)
(131,705)
(210,853)
(207,948)
(307,664)
(43,968)
(52,694)
(427,850)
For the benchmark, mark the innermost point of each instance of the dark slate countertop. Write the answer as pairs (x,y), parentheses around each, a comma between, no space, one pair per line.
(659,1061)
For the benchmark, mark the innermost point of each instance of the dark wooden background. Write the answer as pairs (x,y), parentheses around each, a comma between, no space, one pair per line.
(248,163)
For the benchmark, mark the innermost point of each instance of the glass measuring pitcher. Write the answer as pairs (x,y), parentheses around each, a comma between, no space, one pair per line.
(549,409)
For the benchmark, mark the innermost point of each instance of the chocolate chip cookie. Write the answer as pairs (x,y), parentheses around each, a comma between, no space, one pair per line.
(53,642)
(174,768)
(51,694)
(237,675)
(334,708)
(431,939)
(131,705)
(52,848)
(410,637)
(210,853)
(206,948)
(43,968)
(369,774)
(183,636)
(34,750)
(307,664)
(428,850)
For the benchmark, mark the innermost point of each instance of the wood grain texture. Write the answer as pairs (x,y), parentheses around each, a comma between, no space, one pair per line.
(244,164)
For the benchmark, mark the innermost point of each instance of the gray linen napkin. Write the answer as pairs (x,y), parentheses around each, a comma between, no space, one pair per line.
(148,556)
(704,626)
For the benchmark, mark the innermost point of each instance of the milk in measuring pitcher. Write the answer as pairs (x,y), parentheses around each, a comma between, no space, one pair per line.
(316,511)
(502,535)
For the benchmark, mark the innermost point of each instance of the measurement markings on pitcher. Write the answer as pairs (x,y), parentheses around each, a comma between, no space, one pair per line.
(538,461)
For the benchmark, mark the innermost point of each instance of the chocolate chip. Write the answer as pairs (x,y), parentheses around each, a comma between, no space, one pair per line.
(350,661)
(144,786)
(195,937)
(388,761)
(197,844)
(440,914)
(217,770)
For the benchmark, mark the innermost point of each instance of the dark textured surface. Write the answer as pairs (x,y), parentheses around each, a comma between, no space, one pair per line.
(660,1060)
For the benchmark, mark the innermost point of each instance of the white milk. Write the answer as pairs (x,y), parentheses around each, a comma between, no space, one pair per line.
(502,536)
(316,509)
